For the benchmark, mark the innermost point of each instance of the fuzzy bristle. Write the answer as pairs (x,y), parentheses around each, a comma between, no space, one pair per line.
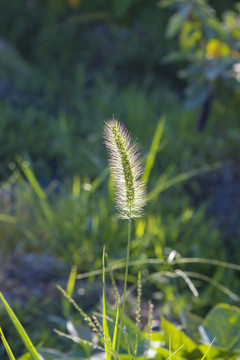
(126,169)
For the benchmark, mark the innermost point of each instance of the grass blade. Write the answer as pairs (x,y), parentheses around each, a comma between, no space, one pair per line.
(71,280)
(32,179)
(215,283)
(27,342)
(7,347)
(76,186)
(115,334)
(208,349)
(195,260)
(99,179)
(162,186)
(69,290)
(107,340)
(154,149)
(36,187)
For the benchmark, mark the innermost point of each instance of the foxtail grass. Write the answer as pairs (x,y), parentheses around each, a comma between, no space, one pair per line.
(130,193)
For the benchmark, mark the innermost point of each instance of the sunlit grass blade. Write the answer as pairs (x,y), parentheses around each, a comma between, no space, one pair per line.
(118,300)
(76,186)
(215,283)
(36,187)
(107,340)
(170,348)
(115,334)
(99,179)
(169,358)
(188,282)
(214,262)
(71,281)
(69,290)
(32,179)
(154,149)
(22,333)
(7,347)
(195,260)
(208,349)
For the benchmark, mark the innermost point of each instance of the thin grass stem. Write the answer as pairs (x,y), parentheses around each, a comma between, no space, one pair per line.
(125,279)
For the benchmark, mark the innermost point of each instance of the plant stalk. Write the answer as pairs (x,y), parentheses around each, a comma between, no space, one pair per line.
(125,279)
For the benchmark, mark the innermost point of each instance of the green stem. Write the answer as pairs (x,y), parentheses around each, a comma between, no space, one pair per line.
(127,262)
(125,280)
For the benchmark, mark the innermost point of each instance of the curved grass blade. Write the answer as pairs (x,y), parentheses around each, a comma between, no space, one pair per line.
(164,185)
(121,265)
(7,347)
(154,149)
(188,282)
(215,283)
(29,174)
(22,333)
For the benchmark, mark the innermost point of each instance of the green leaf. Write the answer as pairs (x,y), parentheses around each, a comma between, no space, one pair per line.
(7,347)
(27,342)
(223,323)
(191,325)
(164,354)
(178,338)
(173,56)
(174,25)
(26,356)
(215,70)
(165,3)
(51,354)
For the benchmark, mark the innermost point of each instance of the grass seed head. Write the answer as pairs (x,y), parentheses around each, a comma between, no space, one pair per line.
(126,168)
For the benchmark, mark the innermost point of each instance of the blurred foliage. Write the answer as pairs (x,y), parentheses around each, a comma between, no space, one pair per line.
(211,47)
(65,66)
(214,337)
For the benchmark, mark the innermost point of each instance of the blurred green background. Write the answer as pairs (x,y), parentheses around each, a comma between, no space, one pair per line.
(170,70)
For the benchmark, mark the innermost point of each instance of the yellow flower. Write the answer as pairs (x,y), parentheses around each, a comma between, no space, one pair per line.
(74,4)
(216,49)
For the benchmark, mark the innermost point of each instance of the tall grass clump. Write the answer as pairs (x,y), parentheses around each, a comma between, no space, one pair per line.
(130,197)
